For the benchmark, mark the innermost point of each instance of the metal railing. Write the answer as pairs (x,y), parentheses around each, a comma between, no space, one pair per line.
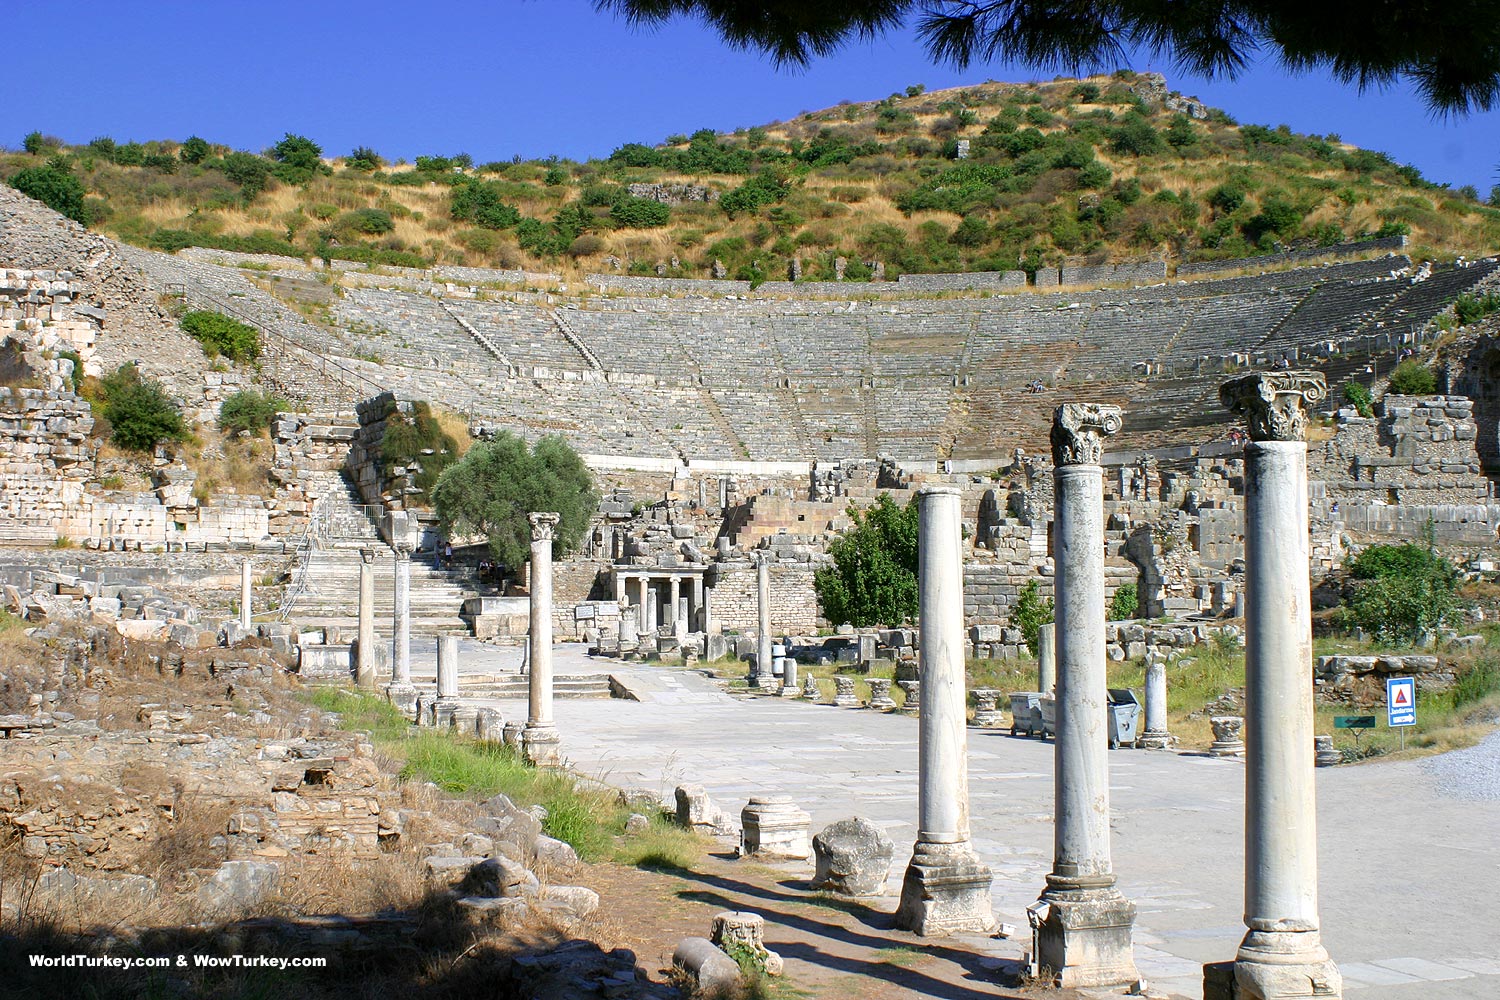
(313,533)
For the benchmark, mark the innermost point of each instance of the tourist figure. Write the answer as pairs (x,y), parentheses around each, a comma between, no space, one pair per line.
(448,555)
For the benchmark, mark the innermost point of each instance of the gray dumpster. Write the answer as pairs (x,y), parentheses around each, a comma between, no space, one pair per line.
(1047,704)
(1124,715)
(1025,713)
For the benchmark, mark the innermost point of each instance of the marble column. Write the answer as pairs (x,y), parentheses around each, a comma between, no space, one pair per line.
(245,595)
(700,606)
(946,889)
(1046,658)
(644,620)
(1282,954)
(674,591)
(1083,923)
(401,692)
(447,678)
(540,738)
(762,675)
(364,653)
(1155,735)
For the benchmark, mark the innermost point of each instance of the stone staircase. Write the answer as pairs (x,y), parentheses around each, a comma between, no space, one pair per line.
(327,583)
(514,687)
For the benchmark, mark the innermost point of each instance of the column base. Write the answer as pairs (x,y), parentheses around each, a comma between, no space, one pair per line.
(1156,741)
(946,890)
(1285,965)
(442,712)
(404,697)
(541,746)
(1084,939)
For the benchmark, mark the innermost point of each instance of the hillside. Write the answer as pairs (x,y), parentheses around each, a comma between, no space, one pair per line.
(1104,169)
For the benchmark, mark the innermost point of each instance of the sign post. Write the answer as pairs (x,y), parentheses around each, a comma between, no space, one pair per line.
(1401,704)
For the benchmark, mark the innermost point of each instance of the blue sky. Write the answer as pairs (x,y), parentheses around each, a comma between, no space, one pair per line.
(538,77)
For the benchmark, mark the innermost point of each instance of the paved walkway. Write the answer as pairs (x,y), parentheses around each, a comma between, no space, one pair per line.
(1408,877)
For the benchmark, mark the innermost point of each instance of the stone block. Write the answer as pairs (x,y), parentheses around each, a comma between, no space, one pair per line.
(773,826)
(852,857)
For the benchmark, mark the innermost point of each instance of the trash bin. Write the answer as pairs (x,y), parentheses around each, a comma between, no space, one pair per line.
(1025,716)
(1124,716)
(1047,707)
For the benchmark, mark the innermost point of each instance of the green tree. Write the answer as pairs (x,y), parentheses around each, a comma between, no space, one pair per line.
(219,334)
(139,411)
(250,172)
(1125,603)
(298,159)
(1357,395)
(1030,613)
(479,202)
(492,489)
(194,150)
(1450,52)
(58,189)
(1412,378)
(248,410)
(873,579)
(1403,590)
(35,143)
(364,158)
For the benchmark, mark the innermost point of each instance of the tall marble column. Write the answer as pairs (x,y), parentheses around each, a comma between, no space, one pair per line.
(1083,931)
(946,888)
(364,652)
(401,691)
(1046,658)
(762,676)
(674,591)
(540,737)
(1282,954)
(1155,735)
(447,678)
(245,595)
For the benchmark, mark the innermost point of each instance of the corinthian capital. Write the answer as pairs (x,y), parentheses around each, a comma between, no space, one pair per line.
(1079,430)
(542,525)
(1274,403)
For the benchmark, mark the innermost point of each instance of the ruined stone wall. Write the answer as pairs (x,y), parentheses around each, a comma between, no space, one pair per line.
(1415,450)
(1139,273)
(311,453)
(974,280)
(576,582)
(794,604)
(1393,244)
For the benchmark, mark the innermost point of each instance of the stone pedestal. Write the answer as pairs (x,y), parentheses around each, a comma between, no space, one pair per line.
(540,741)
(1155,735)
(880,694)
(945,889)
(789,688)
(511,733)
(1282,954)
(401,692)
(364,649)
(843,692)
(1325,754)
(761,676)
(987,713)
(245,594)
(810,688)
(774,827)
(491,725)
(1046,658)
(913,691)
(1082,923)
(1228,736)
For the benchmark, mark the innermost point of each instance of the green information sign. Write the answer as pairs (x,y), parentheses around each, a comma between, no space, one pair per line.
(1354,722)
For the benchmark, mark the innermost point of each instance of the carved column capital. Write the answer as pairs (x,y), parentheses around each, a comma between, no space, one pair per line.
(1274,403)
(543,523)
(1079,430)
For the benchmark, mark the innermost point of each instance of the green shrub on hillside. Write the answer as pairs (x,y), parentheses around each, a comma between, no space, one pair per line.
(1403,590)
(221,335)
(1124,604)
(1412,378)
(418,439)
(249,410)
(1471,308)
(139,412)
(1357,395)
(369,221)
(479,202)
(638,213)
(58,189)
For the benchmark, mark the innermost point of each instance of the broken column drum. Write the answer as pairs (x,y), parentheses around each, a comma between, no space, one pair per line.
(1282,954)
(364,653)
(1083,923)
(946,889)
(1046,658)
(447,679)
(987,713)
(844,696)
(880,694)
(540,740)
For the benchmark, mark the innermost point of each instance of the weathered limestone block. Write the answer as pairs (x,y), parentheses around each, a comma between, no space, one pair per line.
(912,688)
(774,827)
(696,811)
(844,696)
(852,858)
(1324,752)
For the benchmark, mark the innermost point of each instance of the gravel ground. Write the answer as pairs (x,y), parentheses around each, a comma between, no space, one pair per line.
(1472,774)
